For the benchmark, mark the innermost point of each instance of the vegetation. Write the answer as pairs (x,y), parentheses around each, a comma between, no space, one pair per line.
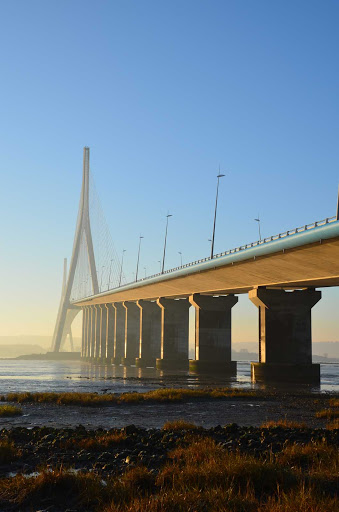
(199,476)
(285,423)
(159,395)
(10,410)
(179,425)
(8,452)
(96,443)
(328,414)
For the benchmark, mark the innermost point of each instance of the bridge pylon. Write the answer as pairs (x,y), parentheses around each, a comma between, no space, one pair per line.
(67,312)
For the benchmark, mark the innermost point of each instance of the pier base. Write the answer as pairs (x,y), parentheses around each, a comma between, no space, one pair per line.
(172,364)
(284,372)
(142,362)
(211,367)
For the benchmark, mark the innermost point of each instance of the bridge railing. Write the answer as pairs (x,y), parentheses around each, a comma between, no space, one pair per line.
(272,238)
(267,240)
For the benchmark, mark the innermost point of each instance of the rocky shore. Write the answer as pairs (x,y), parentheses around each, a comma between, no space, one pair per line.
(114,451)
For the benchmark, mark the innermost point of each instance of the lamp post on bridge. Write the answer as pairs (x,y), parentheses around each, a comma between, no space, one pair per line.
(338,205)
(136,273)
(102,272)
(159,261)
(163,258)
(122,262)
(215,212)
(258,221)
(109,275)
(179,252)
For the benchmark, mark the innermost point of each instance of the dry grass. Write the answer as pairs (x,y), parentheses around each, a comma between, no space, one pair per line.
(96,444)
(8,452)
(159,395)
(179,425)
(334,402)
(10,410)
(334,425)
(285,423)
(328,414)
(201,477)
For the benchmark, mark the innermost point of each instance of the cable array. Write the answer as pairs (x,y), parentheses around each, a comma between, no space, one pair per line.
(108,264)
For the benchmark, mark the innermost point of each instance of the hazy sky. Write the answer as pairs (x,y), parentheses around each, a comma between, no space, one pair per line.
(162,92)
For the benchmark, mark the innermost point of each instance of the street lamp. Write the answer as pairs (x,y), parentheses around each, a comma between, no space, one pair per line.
(215,213)
(258,221)
(122,262)
(102,272)
(159,261)
(145,271)
(338,205)
(163,258)
(109,275)
(136,273)
(179,252)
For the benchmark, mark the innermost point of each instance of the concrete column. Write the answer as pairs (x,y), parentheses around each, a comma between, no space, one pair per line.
(174,334)
(213,334)
(97,332)
(93,329)
(87,331)
(150,333)
(110,332)
(84,332)
(132,333)
(285,338)
(119,335)
(103,328)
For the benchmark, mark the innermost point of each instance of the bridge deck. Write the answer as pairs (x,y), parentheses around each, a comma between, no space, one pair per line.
(305,257)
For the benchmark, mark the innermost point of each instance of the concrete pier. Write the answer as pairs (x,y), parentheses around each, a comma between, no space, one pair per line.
(285,337)
(110,332)
(103,328)
(213,334)
(174,334)
(132,333)
(97,333)
(119,337)
(92,333)
(84,343)
(150,333)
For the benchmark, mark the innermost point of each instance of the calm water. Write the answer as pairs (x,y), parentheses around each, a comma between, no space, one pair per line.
(18,376)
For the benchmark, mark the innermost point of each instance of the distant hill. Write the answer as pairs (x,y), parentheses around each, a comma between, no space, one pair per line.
(43,342)
(15,350)
(325,351)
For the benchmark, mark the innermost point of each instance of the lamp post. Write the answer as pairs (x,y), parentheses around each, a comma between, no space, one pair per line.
(159,261)
(258,221)
(145,271)
(136,273)
(102,272)
(215,213)
(338,205)
(109,275)
(179,252)
(122,262)
(163,258)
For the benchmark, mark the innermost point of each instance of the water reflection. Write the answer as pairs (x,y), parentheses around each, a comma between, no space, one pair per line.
(18,375)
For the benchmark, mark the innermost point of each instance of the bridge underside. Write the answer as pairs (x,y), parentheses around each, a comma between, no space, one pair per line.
(311,266)
(158,334)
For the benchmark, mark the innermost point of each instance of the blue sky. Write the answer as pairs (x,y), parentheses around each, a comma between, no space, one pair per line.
(162,92)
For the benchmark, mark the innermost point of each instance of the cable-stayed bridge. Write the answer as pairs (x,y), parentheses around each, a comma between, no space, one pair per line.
(145,322)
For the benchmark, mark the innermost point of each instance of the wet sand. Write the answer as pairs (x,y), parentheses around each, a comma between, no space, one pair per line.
(206,413)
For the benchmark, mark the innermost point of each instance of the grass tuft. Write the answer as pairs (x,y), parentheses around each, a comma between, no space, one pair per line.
(8,452)
(10,410)
(285,423)
(179,425)
(328,414)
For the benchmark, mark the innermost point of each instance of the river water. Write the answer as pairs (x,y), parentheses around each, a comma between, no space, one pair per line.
(60,376)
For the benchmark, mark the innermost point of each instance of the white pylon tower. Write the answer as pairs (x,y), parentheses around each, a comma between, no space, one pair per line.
(67,312)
